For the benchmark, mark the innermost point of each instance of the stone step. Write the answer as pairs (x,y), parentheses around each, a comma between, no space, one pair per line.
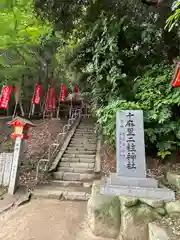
(79,141)
(83,141)
(81,148)
(86,152)
(77,165)
(61,183)
(91,124)
(88,120)
(83,136)
(86,144)
(87,125)
(77,193)
(84,123)
(83,160)
(88,128)
(71,176)
(91,156)
(85,130)
(75,170)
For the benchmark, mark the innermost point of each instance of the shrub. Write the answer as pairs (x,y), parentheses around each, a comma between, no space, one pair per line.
(106,116)
(160,103)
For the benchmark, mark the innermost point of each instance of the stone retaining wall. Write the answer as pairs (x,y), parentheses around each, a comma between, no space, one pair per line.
(125,217)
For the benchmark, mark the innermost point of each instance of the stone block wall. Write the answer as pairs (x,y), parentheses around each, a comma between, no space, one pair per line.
(127,218)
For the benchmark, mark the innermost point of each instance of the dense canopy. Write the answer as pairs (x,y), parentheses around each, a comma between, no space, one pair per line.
(120,53)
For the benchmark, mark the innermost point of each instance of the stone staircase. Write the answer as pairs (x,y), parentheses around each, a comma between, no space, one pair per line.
(75,172)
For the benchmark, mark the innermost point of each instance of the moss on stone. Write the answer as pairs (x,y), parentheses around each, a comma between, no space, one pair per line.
(173,208)
(103,213)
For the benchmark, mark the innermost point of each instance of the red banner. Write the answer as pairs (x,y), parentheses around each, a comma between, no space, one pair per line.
(62,93)
(50,103)
(5,96)
(37,94)
(76,90)
(176,82)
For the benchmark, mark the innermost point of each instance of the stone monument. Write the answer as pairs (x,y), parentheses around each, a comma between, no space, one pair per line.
(130,178)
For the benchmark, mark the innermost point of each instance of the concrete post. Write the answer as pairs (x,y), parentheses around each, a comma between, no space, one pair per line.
(15,167)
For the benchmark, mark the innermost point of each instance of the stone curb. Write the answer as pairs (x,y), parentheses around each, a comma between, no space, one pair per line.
(6,208)
(62,195)
(16,202)
(23,200)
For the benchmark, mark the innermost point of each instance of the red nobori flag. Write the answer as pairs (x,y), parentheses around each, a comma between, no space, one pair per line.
(37,94)
(50,103)
(62,93)
(5,96)
(176,82)
(76,90)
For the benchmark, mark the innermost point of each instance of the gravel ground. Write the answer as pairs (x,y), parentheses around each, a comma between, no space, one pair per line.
(172,226)
(40,139)
(46,219)
(155,168)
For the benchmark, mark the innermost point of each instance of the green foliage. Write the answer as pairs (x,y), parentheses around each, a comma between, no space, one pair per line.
(107,118)
(111,49)
(115,50)
(19,26)
(21,37)
(160,103)
(110,54)
(173,20)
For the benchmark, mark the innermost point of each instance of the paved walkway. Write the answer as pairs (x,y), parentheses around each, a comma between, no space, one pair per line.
(44,220)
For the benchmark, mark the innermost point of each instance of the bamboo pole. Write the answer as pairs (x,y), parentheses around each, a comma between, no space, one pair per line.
(18,101)
(57,115)
(31,112)
(44,112)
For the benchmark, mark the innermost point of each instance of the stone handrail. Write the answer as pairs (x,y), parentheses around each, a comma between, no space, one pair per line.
(58,144)
(61,138)
(65,143)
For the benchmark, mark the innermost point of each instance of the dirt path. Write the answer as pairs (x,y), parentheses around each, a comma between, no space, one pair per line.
(46,220)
